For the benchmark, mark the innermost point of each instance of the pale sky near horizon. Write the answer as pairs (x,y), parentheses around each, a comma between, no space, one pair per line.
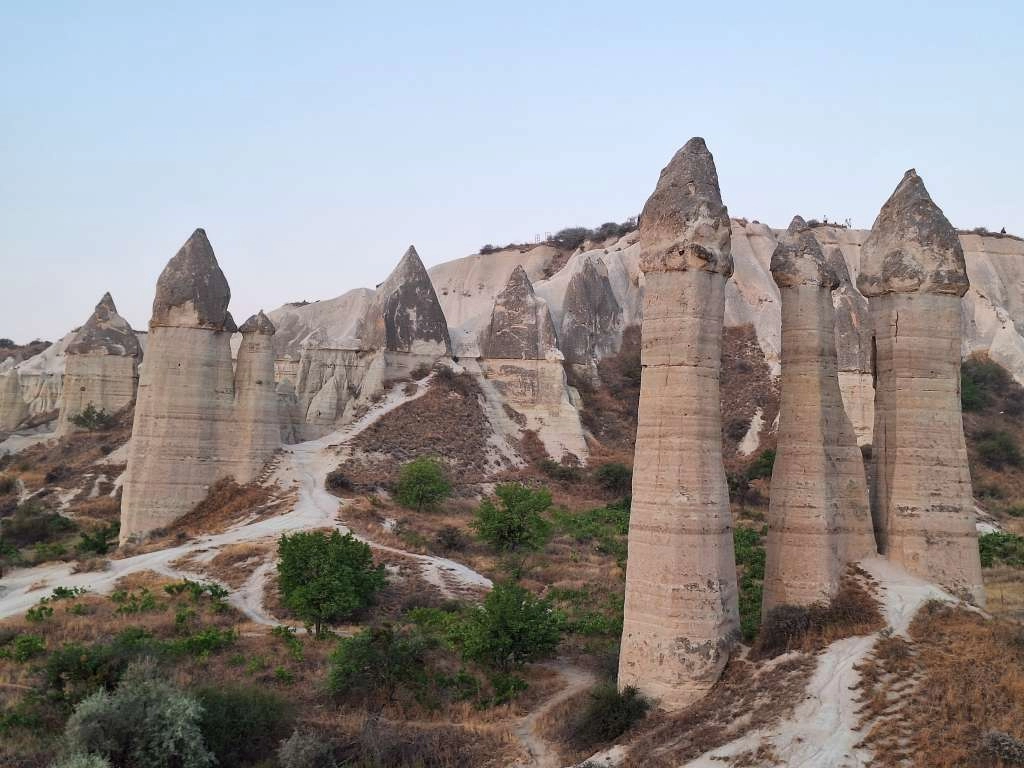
(315,142)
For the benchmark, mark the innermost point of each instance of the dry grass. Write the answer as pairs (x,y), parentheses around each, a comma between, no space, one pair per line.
(225,504)
(930,702)
(1004,592)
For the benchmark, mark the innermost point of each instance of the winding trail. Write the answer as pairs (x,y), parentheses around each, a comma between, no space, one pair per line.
(541,754)
(303,467)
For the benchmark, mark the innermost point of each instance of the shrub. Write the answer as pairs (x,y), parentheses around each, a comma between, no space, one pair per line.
(241,724)
(762,466)
(8,484)
(511,628)
(420,372)
(145,723)
(998,449)
(74,671)
(750,557)
(23,648)
(80,760)
(569,238)
(100,541)
(204,642)
(336,481)
(378,662)
(58,473)
(39,613)
(450,539)
(1006,548)
(1003,747)
(306,750)
(606,526)
(615,478)
(561,472)
(422,484)
(515,523)
(32,523)
(608,714)
(325,578)
(92,419)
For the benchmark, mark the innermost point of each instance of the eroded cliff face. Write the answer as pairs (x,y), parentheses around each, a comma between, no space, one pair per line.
(819,520)
(914,275)
(681,618)
(189,431)
(101,365)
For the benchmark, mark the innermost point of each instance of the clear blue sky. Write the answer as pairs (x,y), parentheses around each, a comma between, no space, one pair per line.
(314,142)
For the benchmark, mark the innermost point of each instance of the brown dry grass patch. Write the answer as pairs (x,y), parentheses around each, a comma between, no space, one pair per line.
(929,703)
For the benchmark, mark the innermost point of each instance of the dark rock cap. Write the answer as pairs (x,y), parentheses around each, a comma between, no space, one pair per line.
(521,327)
(912,247)
(192,291)
(258,323)
(105,332)
(591,315)
(798,259)
(684,224)
(405,310)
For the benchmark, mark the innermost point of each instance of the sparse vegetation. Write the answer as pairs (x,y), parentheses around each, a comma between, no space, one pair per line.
(326,577)
(615,477)
(93,419)
(242,724)
(607,714)
(750,562)
(1001,548)
(998,449)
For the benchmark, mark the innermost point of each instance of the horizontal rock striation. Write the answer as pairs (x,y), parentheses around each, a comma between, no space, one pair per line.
(914,276)
(681,618)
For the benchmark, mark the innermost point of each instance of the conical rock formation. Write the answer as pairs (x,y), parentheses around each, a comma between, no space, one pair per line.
(101,365)
(256,401)
(819,520)
(591,315)
(913,273)
(681,618)
(521,326)
(405,315)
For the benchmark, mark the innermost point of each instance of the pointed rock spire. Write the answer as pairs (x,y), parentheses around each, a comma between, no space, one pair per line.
(405,315)
(798,259)
(192,291)
(684,224)
(912,246)
(105,331)
(591,315)
(258,323)
(521,327)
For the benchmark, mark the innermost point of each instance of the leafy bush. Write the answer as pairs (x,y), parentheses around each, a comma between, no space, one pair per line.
(750,557)
(556,470)
(337,481)
(422,484)
(615,478)
(306,750)
(515,523)
(32,523)
(608,714)
(145,723)
(204,642)
(241,725)
(99,541)
(450,539)
(325,578)
(511,628)
(23,648)
(74,671)
(762,466)
(92,419)
(129,602)
(378,662)
(999,547)
(39,613)
(998,449)
(606,526)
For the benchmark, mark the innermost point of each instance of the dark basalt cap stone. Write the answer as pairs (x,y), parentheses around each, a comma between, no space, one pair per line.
(194,278)
(258,323)
(684,224)
(912,247)
(798,259)
(105,332)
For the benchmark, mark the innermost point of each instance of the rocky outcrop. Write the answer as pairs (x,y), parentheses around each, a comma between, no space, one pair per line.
(405,315)
(520,327)
(101,366)
(592,319)
(188,432)
(914,275)
(681,618)
(13,408)
(819,520)
(256,399)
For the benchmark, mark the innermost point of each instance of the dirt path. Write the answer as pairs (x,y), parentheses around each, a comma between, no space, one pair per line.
(542,754)
(303,467)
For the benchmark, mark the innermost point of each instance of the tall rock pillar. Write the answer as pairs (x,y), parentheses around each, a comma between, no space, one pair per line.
(256,401)
(819,519)
(185,403)
(681,617)
(913,273)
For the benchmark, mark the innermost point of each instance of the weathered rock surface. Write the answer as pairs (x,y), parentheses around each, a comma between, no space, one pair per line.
(592,319)
(914,276)
(681,618)
(819,520)
(521,326)
(256,399)
(405,315)
(188,432)
(101,365)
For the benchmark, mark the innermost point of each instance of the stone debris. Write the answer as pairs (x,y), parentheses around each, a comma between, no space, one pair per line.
(914,276)
(819,520)
(681,618)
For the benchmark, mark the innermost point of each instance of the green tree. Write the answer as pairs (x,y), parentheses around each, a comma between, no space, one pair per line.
(422,484)
(377,662)
(511,628)
(145,723)
(516,523)
(243,724)
(324,578)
